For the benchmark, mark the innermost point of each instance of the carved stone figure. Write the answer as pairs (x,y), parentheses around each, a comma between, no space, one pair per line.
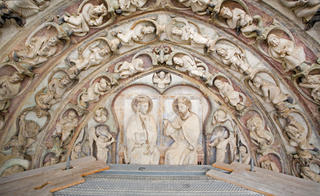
(236,18)
(229,94)
(7,14)
(141,134)
(161,79)
(271,92)
(244,154)
(196,5)
(186,64)
(59,85)
(38,50)
(52,161)
(305,9)
(136,34)
(308,173)
(312,82)
(258,134)
(9,88)
(66,126)
(296,133)
(102,139)
(94,92)
(190,33)
(185,131)
(91,15)
(26,8)
(28,132)
(95,56)
(234,58)
(101,115)
(126,69)
(286,51)
(131,5)
(270,165)
(221,141)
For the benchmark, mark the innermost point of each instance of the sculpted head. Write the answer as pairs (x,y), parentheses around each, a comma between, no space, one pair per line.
(219,116)
(141,104)
(225,12)
(243,150)
(255,123)
(72,115)
(182,106)
(257,81)
(53,41)
(162,75)
(273,40)
(16,77)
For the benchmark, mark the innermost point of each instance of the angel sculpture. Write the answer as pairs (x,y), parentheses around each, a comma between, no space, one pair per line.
(161,79)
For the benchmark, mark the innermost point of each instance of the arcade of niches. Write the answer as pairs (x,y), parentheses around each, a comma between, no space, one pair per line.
(161,82)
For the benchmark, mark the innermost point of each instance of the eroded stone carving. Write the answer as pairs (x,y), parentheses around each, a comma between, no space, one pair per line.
(161,79)
(234,57)
(222,139)
(286,51)
(298,135)
(90,16)
(269,165)
(226,90)
(193,66)
(101,115)
(26,8)
(271,92)
(131,5)
(308,10)
(185,131)
(141,134)
(102,138)
(6,14)
(191,34)
(93,93)
(126,69)
(259,135)
(243,156)
(9,88)
(137,34)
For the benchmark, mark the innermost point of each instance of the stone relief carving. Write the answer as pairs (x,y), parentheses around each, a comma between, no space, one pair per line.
(306,165)
(269,165)
(138,32)
(233,57)
(227,138)
(185,131)
(102,138)
(271,92)
(39,48)
(227,92)
(126,69)
(141,134)
(100,86)
(92,54)
(6,14)
(161,79)
(101,115)
(131,5)
(309,79)
(66,126)
(88,16)
(223,138)
(286,51)
(259,135)
(193,66)
(190,33)
(26,8)
(308,10)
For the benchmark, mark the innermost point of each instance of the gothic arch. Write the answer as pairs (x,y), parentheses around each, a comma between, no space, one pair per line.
(259,74)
